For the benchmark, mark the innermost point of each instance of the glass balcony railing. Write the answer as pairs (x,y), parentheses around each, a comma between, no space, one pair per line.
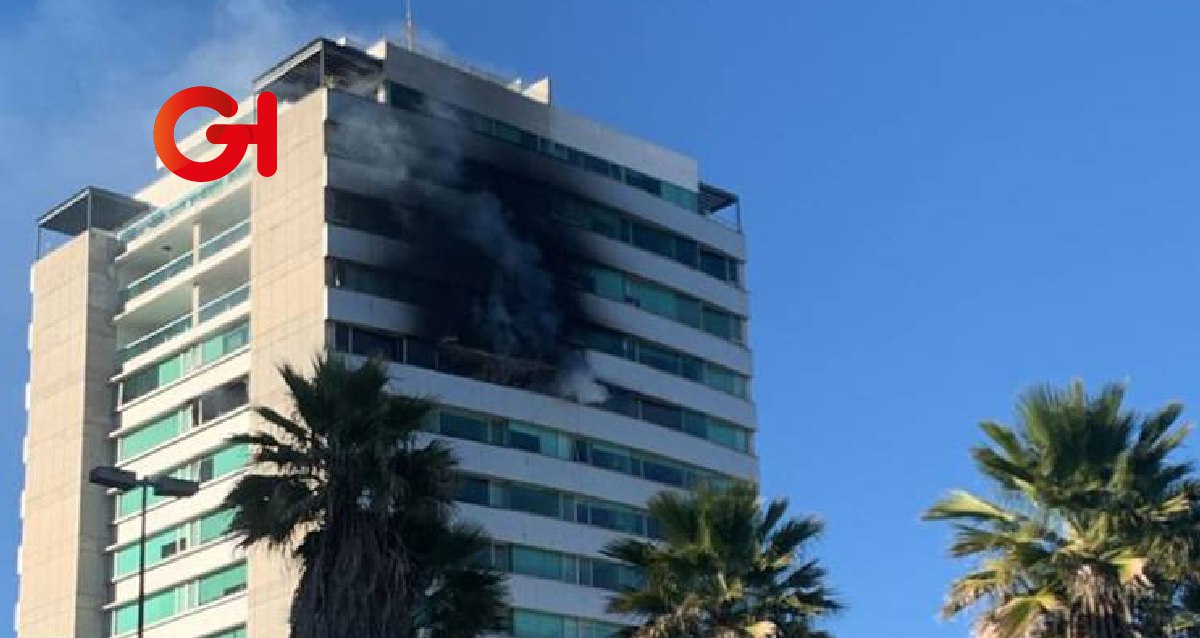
(161,215)
(224,239)
(156,277)
(180,325)
(226,301)
(181,263)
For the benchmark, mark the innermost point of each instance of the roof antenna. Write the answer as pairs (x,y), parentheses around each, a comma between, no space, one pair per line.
(410,30)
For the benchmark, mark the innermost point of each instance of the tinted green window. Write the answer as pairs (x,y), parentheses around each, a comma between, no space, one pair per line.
(690,312)
(129,502)
(535,624)
(531,438)
(221,584)
(610,458)
(653,298)
(534,500)
(124,619)
(653,240)
(535,562)
(162,605)
(506,132)
(727,435)
(659,358)
(230,459)
(237,632)
(721,325)
(607,283)
(215,525)
(125,561)
(605,341)
(463,427)
(473,490)
(154,434)
(716,265)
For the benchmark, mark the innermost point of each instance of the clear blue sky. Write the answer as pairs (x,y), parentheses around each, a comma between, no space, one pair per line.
(945,202)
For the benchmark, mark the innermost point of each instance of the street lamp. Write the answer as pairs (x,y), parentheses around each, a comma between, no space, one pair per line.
(124,480)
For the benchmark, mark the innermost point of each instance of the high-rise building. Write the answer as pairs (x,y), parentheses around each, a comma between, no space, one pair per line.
(571,295)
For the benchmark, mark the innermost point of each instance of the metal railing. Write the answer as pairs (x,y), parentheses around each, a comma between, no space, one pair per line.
(211,247)
(161,215)
(224,239)
(157,276)
(182,324)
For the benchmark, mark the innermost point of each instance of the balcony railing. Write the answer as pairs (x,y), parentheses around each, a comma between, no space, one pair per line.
(161,215)
(181,263)
(182,324)
(156,277)
(224,239)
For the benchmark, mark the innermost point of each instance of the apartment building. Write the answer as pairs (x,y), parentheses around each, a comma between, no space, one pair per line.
(571,295)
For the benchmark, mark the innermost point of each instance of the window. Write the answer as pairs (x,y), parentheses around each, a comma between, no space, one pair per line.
(654,240)
(536,562)
(175,367)
(215,525)
(461,426)
(609,457)
(659,358)
(156,433)
(226,582)
(473,490)
(524,498)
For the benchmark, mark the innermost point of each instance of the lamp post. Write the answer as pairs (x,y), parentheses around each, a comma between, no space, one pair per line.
(124,480)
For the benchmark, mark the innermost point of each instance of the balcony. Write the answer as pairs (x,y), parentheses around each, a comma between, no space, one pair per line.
(181,205)
(184,323)
(183,262)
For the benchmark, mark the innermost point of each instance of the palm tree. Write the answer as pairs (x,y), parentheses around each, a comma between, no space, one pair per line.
(345,487)
(727,568)
(1090,526)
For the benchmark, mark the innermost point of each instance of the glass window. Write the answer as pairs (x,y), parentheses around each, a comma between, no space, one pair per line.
(686,251)
(531,438)
(369,343)
(721,379)
(125,561)
(420,353)
(606,283)
(727,435)
(162,605)
(462,426)
(536,562)
(230,459)
(603,340)
(653,298)
(223,400)
(716,265)
(642,181)
(215,525)
(692,368)
(220,584)
(506,132)
(614,517)
(659,358)
(721,324)
(660,472)
(473,490)
(606,575)
(533,500)
(610,458)
(654,240)
(536,624)
(157,432)
(690,312)
(662,414)
(124,619)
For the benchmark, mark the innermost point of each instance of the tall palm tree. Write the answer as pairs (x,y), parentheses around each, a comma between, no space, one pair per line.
(1090,524)
(727,568)
(344,485)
